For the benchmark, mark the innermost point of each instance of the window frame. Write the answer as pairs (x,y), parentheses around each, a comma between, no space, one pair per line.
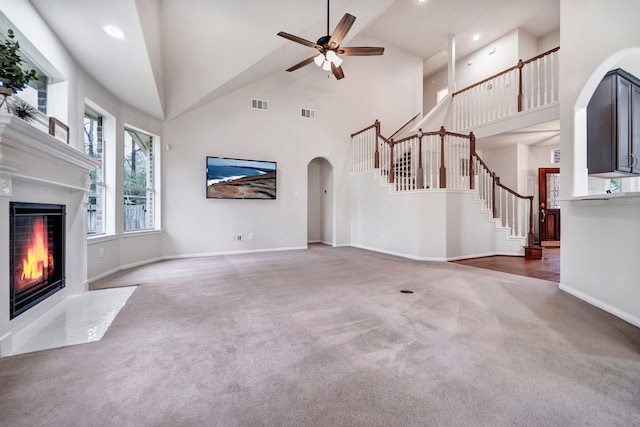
(91,114)
(150,189)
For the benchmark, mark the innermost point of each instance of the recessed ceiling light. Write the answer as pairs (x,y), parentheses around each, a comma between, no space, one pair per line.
(422,1)
(114,32)
(476,37)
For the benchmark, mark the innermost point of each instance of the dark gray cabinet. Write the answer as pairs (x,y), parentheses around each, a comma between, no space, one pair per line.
(613,126)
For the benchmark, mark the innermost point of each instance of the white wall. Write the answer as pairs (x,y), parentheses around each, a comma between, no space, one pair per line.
(504,162)
(435,225)
(484,65)
(549,41)
(228,127)
(600,240)
(432,84)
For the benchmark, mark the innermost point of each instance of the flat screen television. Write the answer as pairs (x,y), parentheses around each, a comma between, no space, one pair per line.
(240,179)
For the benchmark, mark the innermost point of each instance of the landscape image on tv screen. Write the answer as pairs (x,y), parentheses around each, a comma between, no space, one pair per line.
(240,179)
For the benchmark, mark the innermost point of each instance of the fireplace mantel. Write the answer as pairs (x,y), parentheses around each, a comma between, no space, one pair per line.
(36,167)
(28,153)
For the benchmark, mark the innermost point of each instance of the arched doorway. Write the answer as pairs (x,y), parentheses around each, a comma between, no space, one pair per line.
(320,202)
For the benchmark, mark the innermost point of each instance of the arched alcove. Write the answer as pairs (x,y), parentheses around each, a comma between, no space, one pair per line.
(320,202)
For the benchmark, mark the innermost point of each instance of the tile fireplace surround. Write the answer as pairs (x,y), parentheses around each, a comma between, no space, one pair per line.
(37,168)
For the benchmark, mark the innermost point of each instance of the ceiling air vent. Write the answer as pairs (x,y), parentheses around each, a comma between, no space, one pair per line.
(555,156)
(309,114)
(259,104)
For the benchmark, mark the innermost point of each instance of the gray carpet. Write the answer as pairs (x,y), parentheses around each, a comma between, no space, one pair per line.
(323,337)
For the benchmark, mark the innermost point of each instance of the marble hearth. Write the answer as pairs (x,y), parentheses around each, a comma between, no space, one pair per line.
(37,168)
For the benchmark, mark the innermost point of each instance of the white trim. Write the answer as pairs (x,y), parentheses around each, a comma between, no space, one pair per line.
(123,267)
(6,344)
(488,254)
(601,305)
(342,245)
(100,238)
(139,233)
(253,251)
(415,258)
(48,182)
(201,255)
(437,259)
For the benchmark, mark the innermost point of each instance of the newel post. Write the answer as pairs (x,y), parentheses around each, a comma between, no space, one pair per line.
(531,240)
(443,169)
(472,152)
(392,168)
(376,158)
(520,65)
(495,180)
(419,172)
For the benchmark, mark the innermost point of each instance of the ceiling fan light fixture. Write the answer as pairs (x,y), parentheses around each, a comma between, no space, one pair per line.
(333,57)
(319,60)
(326,66)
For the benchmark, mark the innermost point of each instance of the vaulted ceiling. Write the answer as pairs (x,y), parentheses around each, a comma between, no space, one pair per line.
(180,54)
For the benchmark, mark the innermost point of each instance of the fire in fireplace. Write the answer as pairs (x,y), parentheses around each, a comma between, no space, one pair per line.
(37,251)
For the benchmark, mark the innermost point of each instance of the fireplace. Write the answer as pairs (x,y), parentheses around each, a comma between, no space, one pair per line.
(36,253)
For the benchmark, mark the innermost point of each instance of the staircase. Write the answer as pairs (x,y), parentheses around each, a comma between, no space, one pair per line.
(429,182)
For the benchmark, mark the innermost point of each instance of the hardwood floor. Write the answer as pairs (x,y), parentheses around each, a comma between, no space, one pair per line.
(547,268)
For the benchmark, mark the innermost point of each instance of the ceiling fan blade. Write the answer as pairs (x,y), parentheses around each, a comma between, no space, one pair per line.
(300,40)
(337,72)
(341,30)
(301,64)
(361,51)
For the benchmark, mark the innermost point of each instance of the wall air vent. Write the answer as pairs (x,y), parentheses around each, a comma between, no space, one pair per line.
(555,156)
(309,114)
(259,104)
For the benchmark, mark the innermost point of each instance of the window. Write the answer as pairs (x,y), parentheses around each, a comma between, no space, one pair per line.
(94,147)
(139,180)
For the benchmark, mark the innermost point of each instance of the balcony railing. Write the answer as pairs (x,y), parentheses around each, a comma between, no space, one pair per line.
(527,85)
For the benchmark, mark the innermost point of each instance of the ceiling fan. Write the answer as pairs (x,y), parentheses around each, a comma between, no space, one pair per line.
(329,47)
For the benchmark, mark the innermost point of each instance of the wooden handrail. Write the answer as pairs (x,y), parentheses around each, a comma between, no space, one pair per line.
(363,130)
(542,55)
(404,125)
(520,196)
(482,162)
(387,140)
(499,184)
(515,67)
(439,133)
(484,81)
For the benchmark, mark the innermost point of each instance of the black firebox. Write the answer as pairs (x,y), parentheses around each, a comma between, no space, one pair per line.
(37,253)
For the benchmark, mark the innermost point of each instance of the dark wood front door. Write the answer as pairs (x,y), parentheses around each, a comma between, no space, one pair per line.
(549,206)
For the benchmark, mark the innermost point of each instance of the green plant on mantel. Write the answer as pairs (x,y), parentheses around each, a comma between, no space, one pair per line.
(13,78)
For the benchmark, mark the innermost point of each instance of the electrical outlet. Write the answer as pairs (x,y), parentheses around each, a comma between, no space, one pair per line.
(233,237)
(101,253)
(250,236)
(239,236)
(382,236)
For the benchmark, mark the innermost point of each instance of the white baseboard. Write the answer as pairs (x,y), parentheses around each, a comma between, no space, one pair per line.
(437,259)
(123,267)
(601,305)
(399,254)
(252,251)
(200,255)
(6,344)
